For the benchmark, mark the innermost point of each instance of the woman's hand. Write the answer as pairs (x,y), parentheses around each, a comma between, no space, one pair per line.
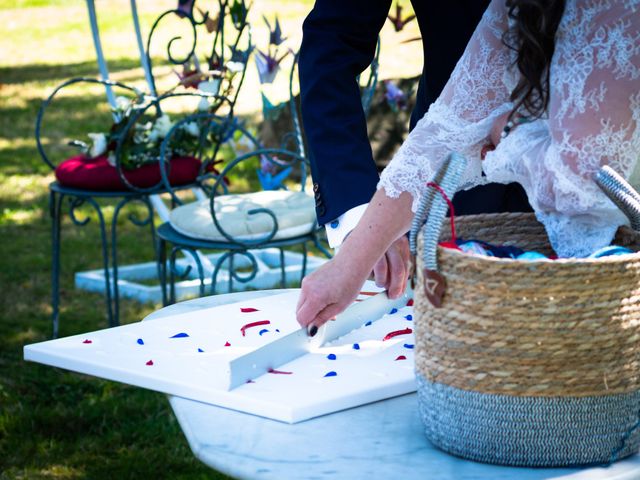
(328,291)
(334,286)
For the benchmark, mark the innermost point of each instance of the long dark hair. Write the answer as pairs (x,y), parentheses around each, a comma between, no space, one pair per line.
(533,38)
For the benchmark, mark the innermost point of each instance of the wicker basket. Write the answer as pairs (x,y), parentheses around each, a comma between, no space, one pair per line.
(529,363)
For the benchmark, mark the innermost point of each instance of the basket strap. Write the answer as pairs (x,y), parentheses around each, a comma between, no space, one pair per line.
(429,217)
(621,193)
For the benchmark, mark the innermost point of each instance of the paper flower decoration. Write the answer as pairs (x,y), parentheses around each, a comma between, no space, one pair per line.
(275,33)
(395,97)
(397,20)
(270,175)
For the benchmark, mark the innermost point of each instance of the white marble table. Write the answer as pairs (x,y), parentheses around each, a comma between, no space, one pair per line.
(383,440)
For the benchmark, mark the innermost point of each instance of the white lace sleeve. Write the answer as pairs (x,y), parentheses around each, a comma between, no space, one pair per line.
(594,115)
(462,117)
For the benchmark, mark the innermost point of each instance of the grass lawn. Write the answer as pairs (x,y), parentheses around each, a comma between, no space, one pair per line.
(56,424)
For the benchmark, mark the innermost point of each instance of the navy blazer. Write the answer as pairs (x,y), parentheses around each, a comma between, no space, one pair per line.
(338,43)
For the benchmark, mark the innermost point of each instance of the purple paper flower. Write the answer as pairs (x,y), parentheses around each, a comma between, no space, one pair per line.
(397,21)
(268,65)
(275,33)
(396,98)
(185,8)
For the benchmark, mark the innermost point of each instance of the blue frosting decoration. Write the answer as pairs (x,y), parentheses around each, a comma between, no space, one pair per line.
(140,341)
(356,346)
(408,345)
(331,356)
(409,317)
(331,374)
(180,335)
(264,330)
(393,310)
(200,350)
(368,323)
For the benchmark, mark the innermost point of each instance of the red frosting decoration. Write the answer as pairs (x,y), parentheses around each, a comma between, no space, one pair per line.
(96,173)
(227,344)
(410,302)
(279,372)
(401,357)
(87,341)
(150,362)
(390,335)
(248,310)
(253,324)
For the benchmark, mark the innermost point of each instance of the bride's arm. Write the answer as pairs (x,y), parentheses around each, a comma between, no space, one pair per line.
(459,120)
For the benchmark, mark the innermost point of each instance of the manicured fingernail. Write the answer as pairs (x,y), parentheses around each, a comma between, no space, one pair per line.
(313,330)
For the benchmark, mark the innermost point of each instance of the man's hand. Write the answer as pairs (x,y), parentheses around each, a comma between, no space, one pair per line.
(392,270)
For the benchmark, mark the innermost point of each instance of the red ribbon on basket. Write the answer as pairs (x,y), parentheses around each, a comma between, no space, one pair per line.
(434,283)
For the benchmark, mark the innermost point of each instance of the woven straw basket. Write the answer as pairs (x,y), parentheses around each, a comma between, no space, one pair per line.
(530,363)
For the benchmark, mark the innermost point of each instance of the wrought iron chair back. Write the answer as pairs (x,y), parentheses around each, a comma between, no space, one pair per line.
(232,22)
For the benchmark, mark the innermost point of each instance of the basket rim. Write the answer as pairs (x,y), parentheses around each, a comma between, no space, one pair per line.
(612,259)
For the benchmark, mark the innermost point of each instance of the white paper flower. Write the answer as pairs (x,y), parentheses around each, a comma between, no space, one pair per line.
(235,67)
(210,86)
(122,104)
(98,144)
(192,129)
(160,128)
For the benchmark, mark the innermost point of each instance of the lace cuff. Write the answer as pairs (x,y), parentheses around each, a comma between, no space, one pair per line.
(439,133)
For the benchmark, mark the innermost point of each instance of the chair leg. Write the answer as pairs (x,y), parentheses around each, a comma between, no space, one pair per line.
(172,275)
(231,271)
(55,203)
(105,265)
(115,320)
(216,269)
(283,274)
(304,260)
(161,255)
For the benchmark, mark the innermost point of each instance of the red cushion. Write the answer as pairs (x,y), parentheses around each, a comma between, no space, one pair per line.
(96,173)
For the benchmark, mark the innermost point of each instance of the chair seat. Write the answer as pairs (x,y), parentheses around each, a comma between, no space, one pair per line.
(97,174)
(294,211)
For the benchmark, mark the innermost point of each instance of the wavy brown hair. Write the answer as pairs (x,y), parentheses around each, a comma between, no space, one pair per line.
(532,37)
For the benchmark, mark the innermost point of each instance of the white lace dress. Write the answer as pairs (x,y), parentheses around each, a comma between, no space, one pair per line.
(593,120)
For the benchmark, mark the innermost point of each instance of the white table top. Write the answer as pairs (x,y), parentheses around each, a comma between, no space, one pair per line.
(382,440)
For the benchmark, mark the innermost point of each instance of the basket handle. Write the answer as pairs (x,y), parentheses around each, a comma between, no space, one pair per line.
(429,217)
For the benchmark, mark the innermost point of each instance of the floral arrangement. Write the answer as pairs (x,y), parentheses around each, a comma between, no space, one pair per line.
(143,141)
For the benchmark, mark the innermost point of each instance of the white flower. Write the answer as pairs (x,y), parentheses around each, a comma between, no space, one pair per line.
(160,128)
(98,144)
(235,67)
(122,104)
(192,129)
(111,159)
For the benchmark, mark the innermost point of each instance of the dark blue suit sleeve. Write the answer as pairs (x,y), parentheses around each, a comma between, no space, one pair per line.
(339,41)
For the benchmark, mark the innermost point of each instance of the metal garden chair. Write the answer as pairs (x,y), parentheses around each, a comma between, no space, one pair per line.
(128,188)
(215,231)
